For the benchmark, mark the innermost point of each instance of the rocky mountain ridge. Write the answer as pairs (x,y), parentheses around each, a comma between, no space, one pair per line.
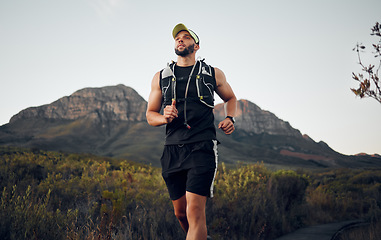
(116,103)
(121,103)
(253,119)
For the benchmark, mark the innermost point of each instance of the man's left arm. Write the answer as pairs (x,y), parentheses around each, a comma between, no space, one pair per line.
(226,93)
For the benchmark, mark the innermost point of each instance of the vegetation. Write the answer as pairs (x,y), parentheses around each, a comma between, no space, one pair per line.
(50,195)
(369,85)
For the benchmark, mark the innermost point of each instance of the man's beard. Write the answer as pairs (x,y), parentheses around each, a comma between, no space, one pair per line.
(186,51)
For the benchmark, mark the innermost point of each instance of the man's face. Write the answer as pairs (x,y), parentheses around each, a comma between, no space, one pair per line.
(184,44)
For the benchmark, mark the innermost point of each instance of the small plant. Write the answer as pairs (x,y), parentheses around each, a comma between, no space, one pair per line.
(369,84)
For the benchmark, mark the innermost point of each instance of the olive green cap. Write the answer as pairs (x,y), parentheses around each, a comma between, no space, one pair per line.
(181,27)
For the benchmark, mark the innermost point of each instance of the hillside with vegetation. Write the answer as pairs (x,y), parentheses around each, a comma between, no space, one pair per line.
(56,195)
(110,121)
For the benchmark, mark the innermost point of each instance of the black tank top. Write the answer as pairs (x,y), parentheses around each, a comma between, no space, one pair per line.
(200,117)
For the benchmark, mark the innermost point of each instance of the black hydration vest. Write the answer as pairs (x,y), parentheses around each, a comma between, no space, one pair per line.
(195,121)
(205,85)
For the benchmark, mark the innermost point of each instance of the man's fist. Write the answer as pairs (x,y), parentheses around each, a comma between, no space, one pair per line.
(170,112)
(227,126)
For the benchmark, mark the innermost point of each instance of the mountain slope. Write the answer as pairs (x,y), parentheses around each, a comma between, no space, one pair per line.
(110,121)
(103,121)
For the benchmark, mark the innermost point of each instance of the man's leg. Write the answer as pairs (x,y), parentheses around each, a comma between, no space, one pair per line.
(196,216)
(180,208)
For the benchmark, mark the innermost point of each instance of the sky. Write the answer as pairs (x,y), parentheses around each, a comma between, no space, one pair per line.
(293,58)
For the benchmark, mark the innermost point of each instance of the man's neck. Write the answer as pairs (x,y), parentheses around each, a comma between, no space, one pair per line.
(186,61)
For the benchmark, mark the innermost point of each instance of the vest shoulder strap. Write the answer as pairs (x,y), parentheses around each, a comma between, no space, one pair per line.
(206,69)
(167,71)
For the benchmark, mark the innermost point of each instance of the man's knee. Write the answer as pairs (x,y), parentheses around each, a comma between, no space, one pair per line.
(181,215)
(195,211)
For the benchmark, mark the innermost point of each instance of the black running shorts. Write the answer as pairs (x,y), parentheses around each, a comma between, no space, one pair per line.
(190,167)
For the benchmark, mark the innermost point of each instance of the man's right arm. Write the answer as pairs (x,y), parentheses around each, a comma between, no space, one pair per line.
(154,118)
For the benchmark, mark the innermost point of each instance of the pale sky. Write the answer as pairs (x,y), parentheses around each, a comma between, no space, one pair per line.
(293,58)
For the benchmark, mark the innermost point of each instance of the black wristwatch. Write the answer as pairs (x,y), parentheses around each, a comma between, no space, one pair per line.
(231,118)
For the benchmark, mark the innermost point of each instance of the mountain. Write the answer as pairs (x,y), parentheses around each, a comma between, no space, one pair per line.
(107,121)
(110,121)
(114,103)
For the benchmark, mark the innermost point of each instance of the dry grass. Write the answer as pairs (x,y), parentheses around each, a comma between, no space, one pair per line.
(91,197)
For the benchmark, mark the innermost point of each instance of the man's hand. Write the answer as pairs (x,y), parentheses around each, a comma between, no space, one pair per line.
(227,126)
(170,112)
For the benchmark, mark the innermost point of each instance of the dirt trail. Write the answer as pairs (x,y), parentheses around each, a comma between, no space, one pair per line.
(319,232)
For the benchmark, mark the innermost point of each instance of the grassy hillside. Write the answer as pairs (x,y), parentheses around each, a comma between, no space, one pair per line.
(52,195)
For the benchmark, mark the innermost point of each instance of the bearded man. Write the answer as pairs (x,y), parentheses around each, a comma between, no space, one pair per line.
(185,90)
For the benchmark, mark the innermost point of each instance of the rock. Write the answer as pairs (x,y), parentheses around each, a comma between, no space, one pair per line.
(118,103)
(253,119)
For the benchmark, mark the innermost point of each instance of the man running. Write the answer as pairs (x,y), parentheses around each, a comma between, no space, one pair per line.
(185,89)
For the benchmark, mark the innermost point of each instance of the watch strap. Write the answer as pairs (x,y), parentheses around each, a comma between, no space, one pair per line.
(231,118)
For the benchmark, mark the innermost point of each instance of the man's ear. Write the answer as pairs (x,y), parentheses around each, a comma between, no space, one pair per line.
(196,47)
